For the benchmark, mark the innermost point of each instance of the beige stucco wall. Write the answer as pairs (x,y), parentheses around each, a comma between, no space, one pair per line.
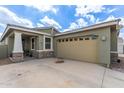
(103,46)
(50,31)
(40,42)
(47,31)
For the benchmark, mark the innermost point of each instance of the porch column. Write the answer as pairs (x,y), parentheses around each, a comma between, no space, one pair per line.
(17,48)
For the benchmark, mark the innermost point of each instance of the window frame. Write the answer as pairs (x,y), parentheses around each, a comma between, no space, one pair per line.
(51,43)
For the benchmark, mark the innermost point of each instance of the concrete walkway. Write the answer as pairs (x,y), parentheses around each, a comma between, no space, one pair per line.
(46,73)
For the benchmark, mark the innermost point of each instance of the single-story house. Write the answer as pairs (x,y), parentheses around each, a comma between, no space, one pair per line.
(96,43)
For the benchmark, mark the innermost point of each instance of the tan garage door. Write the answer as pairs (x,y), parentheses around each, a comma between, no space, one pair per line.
(84,50)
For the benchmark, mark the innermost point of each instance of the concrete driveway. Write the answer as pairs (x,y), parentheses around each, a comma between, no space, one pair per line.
(46,73)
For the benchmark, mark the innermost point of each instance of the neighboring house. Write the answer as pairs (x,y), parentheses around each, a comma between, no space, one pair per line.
(120,45)
(96,43)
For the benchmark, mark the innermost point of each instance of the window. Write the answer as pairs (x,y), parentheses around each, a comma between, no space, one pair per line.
(32,43)
(62,40)
(75,39)
(59,40)
(93,38)
(66,39)
(71,39)
(87,38)
(81,38)
(47,43)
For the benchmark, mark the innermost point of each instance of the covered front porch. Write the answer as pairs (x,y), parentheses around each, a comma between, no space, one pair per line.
(26,45)
(22,46)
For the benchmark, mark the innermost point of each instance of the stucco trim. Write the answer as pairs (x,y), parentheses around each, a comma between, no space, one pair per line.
(44,43)
(17,48)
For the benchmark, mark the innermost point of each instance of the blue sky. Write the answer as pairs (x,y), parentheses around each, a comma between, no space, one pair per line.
(63,17)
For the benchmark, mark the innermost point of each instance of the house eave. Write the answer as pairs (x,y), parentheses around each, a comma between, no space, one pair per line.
(96,26)
(21,29)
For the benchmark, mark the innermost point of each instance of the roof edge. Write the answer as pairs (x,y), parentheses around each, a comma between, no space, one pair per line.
(11,26)
(98,25)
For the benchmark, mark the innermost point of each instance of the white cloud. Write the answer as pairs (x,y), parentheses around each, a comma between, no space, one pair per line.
(91,18)
(111,17)
(86,9)
(9,17)
(1,34)
(77,24)
(73,25)
(40,25)
(122,21)
(121,34)
(81,22)
(64,30)
(46,21)
(111,10)
(2,25)
(97,20)
(44,8)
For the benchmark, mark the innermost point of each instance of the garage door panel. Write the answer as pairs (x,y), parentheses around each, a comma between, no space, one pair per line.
(85,50)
